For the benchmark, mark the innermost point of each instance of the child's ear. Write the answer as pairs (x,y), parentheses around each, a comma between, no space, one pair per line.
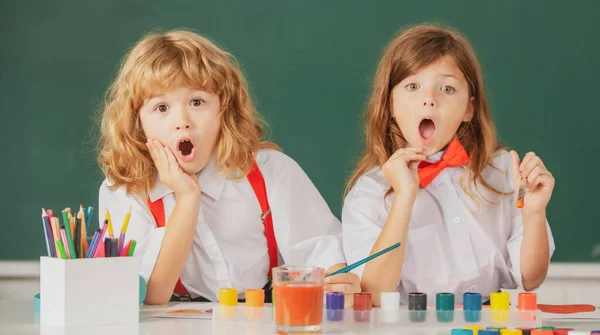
(470,110)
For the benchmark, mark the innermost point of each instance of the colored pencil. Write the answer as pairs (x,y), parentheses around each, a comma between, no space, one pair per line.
(93,244)
(63,237)
(88,216)
(121,242)
(125,250)
(61,249)
(132,248)
(100,238)
(110,228)
(55,231)
(126,221)
(48,234)
(77,240)
(69,237)
(83,236)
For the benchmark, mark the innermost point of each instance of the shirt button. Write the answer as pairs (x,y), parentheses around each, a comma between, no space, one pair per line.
(456,220)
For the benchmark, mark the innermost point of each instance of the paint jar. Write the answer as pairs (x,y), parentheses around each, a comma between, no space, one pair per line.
(472,303)
(417,307)
(499,305)
(362,307)
(334,306)
(444,307)
(390,307)
(255,302)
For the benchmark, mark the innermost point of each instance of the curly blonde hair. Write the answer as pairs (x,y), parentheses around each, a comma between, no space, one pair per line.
(156,64)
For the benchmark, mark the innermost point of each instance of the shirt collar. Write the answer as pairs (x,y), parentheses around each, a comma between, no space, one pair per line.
(435,157)
(210,179)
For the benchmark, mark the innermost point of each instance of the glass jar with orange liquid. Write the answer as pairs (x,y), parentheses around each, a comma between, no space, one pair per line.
(298,299)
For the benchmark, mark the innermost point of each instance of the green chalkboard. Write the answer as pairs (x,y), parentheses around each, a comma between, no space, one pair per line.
(309,65)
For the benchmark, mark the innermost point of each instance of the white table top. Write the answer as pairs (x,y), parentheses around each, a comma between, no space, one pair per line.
(18,317)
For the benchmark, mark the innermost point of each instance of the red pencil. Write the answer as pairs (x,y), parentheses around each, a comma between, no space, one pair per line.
(100,239)
(125,250)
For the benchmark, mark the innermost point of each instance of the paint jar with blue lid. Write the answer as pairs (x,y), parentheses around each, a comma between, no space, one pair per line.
(488,332)
(472,303)
(334,304)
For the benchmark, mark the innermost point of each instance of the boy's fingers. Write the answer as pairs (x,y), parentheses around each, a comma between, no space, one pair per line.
(173,165)
(161,158)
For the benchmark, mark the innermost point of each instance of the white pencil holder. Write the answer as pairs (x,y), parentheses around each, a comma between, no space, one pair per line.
(89,291)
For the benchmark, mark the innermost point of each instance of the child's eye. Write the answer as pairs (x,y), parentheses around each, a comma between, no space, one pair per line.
(412,87)
(448,89)
(161,108)
(197,102)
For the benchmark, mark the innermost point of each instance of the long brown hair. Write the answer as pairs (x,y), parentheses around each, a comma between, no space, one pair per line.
(412,50)
(156,64)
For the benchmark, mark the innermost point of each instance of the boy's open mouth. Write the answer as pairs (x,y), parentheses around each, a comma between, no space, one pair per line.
(186,151)
(186,147)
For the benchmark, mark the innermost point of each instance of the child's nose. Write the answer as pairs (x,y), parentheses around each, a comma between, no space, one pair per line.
(428,102)
(182,120)
(428,98)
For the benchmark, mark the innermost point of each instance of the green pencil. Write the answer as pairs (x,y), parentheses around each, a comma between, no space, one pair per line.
(132,248)
(61,250)
(69,235)
(363,261)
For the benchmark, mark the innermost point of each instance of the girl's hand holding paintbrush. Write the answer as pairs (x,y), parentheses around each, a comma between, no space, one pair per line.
(533,186)
(348,283)
(533,183)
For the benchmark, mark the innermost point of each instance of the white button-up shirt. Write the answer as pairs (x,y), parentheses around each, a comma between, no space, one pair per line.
(455,243)
(230,247)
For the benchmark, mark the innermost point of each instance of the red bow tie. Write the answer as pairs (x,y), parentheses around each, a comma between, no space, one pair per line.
(455,155)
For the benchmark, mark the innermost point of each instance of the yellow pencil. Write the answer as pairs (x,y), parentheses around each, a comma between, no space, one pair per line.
(55,230)
(72,224)
(83,237)
(126,221)
(110,230)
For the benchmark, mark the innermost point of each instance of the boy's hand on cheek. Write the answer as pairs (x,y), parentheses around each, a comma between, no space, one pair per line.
(169,171)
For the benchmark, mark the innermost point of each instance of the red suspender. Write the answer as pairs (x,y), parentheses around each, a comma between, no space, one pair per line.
(257,182)
(258,185)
